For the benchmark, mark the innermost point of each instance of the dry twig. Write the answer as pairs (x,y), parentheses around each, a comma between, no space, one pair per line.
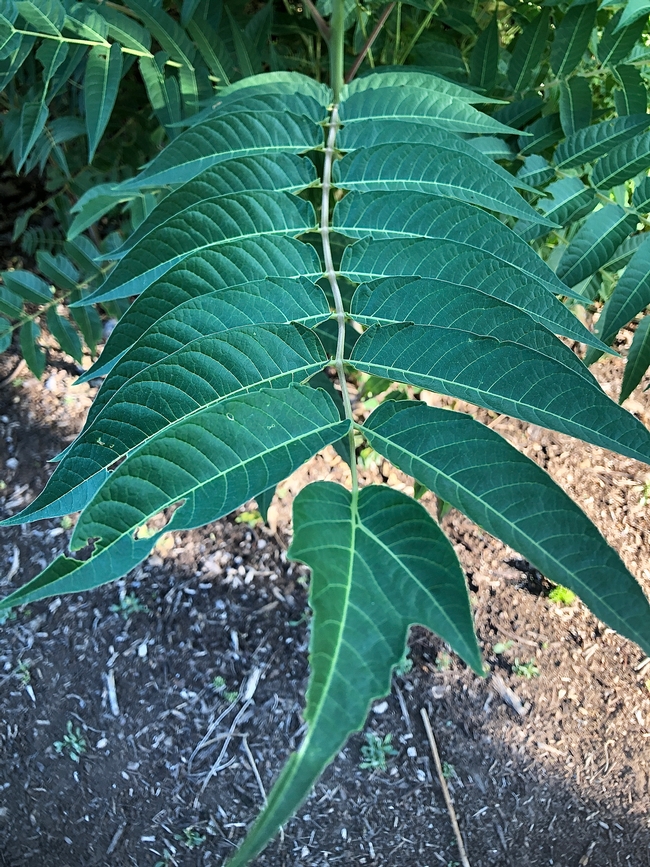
(445,790)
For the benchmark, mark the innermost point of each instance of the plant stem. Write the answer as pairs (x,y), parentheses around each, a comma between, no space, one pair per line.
(337,48)
(369,42)
(428,19)
(330,273)
(319,21)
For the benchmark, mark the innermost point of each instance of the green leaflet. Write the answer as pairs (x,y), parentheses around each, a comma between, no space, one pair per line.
(28,286)
(484,58)
(439,173)
(237,135)
(624,253)
(209,224)
(367,134)
(630,296)
(622,163)
(544,133)
(422,78)
(281,82)
(101,83)
(572,37)
(575,104)
(536,171)
(204,373)
(379,564)
(503,376)
(59,270)
(416,104)
(528,51)
(201,274)
(617,42)
(638,359)
(443,260)
(634,9)
(569,200)
(210,464)
(632,97)
(270,301)
(602,233)
(505,493)
(277,173)
(256,100)
(641,195)
(588,144)
(434,302)
(416,215)
(65,334)
(30,349)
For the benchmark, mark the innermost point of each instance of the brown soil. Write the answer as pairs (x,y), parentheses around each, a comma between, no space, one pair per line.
(172,766)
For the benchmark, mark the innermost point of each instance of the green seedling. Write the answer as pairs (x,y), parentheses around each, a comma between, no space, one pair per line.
(562,595)
(443,662)
(501,647)
(645,494)
(448,771)
(66,522)
(128,606)
(405,664)
(375,751)
(190,838)
(73,744)
(525,669)
(23,673)
(252,519)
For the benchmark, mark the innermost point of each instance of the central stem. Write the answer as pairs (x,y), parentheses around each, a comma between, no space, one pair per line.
(330,273)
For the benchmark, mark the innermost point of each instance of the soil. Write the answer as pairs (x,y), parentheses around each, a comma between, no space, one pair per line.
(174,765)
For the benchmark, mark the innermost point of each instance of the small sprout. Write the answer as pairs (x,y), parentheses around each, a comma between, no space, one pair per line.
(23,673)
(129,605)
(7,616)
(66,522)
(562,595)
(251,519)
(525,669)
(231,696)
(448,771)
(645,493)
(218,683)
(369,458)
(73,744)
(443,661)
(3,486)
(375,751)
(404,665)
(501,647)
(190,838)
(167,859)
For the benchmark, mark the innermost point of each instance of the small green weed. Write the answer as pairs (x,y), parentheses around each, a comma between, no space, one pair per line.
(128,606)
(23,673)
(525,669)
(448,771)
(443,661)
(190,838)
(66,522)
(404,665)
(219,685)
(251,519)
(501,647)
(73,744)
(645,494)
(562,595)
(375,751)
(167,859)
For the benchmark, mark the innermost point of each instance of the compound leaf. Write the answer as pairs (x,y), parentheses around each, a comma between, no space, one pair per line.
(588,144)
(528,51)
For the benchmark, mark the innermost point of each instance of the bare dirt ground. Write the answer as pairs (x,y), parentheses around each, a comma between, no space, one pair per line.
(174,764)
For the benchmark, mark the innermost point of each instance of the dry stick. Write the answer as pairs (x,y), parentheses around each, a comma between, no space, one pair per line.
(369,42)
(319,21)
(445,790)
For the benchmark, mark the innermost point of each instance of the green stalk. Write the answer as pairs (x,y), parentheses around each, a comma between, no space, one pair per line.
(337,34)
